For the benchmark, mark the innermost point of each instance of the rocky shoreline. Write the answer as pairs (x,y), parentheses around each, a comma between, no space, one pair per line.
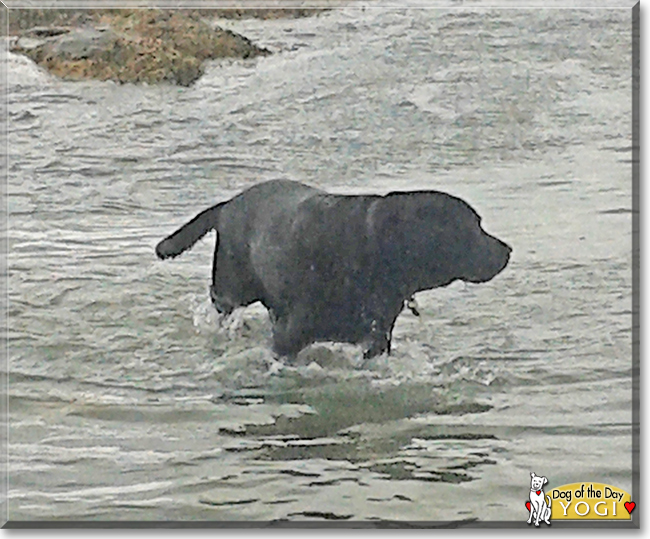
(131,45)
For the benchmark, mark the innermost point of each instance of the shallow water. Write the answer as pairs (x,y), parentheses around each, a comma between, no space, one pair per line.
(130,399)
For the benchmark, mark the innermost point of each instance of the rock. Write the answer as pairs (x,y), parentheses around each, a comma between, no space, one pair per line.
(47,31)
(80,44)
(25,44)
(133,46)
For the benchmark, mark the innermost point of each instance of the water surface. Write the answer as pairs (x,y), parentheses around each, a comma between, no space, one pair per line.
(130,400)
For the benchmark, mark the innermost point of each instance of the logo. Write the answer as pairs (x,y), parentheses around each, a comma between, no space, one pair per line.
(577,501)
(537,504)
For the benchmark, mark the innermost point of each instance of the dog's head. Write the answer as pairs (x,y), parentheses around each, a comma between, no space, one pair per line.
(441,239)
(537,482)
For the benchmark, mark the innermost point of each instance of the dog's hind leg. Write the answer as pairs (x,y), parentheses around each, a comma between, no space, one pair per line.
(292,330)
(220,302)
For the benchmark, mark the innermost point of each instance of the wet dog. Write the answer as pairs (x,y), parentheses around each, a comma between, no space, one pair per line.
(335,267)
(539,509)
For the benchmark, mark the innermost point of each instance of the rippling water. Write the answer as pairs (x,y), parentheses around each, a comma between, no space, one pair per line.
(128,398)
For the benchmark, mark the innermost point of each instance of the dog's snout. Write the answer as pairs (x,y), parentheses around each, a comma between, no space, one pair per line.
(506,246)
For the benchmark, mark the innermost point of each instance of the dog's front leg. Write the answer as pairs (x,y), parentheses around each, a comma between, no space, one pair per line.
(538,514)
(530,517)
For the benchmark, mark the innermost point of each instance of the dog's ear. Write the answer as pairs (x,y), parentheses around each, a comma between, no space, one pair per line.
(545,480)
(532,474)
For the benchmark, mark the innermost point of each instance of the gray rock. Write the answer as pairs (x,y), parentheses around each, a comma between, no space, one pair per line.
(28,43)
(80,43)
(47,31)
(138,46)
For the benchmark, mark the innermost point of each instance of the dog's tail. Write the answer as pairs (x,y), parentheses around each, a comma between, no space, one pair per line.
(549,501)
(187,235)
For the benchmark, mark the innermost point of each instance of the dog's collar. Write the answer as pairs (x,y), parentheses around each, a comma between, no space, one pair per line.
(538,492)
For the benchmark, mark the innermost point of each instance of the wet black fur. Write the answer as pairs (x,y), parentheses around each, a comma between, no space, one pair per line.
(333,267)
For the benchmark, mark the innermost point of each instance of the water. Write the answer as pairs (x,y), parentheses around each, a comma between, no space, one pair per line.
(129,399)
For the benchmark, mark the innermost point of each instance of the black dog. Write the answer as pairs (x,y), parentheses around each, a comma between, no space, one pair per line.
(333,267)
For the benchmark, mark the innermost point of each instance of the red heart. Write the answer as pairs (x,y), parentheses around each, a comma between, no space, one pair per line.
(538,492)
(629,506)
(528,505)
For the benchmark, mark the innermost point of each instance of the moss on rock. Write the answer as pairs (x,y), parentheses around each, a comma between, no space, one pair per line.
(133,46)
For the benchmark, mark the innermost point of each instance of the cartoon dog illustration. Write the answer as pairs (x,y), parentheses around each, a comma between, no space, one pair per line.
(539,509)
